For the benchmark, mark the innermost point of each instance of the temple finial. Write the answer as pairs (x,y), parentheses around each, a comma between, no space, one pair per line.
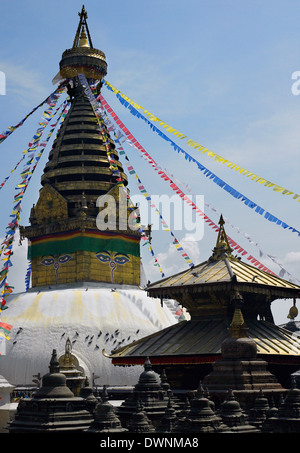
(221,221)
(83,13)
(222,247)
(82,37)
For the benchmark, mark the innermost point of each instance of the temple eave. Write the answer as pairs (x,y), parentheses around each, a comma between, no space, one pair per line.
(225,286)
(166,360)
(287,359)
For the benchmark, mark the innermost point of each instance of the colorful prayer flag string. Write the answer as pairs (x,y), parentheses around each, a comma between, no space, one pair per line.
(282,271)
(27,276)
(133,107)
(50,99)
(219,182)
(26,175)
(132,140)
(144,192)
(113,165)
(5,330)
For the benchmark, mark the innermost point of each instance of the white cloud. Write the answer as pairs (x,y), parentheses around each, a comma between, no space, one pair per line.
(171,261)
(23,82)
(292,257)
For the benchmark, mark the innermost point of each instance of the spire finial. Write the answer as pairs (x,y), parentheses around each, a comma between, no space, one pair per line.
(83,13)
(54,364)
(81,40)
(222,247)
(147,364)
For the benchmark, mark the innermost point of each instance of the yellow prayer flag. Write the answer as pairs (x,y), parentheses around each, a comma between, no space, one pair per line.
(210,153)
(278,189)
(171,129)
(191,142)
(199,147)
(179,135)
(260,180)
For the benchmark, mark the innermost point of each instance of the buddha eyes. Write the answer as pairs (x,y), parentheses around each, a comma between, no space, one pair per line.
(118,259)
(103,257)
(47,261)
(64,259)
(121,259)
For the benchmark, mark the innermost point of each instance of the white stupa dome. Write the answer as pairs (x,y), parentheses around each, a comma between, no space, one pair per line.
(93,316)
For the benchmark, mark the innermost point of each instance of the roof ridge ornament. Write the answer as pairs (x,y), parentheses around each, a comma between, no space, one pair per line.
(222,248)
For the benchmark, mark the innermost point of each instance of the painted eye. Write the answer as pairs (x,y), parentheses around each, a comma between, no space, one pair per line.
(121,259)
(47,261)
(64,259)
(103,257)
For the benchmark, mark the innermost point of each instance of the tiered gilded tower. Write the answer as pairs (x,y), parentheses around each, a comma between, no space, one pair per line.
(65,242)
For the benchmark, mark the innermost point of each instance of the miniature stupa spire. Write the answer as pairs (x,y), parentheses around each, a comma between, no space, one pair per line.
(83,41)
(222,248)
(237,328)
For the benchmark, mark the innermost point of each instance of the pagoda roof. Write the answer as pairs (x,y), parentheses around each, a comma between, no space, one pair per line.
(199,341)
(215,274)
(221,271)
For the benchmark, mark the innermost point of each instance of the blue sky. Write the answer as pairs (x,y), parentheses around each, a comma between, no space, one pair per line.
(219,72)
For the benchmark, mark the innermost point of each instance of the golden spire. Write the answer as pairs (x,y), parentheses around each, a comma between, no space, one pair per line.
(237,328)
(83,41)
(82,58)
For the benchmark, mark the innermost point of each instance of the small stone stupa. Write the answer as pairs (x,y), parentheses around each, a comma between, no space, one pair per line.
(139,422)
(201,417)
(169,420)
(287,418)
(106,419)
(53,407)
(235,419)
(150,393)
